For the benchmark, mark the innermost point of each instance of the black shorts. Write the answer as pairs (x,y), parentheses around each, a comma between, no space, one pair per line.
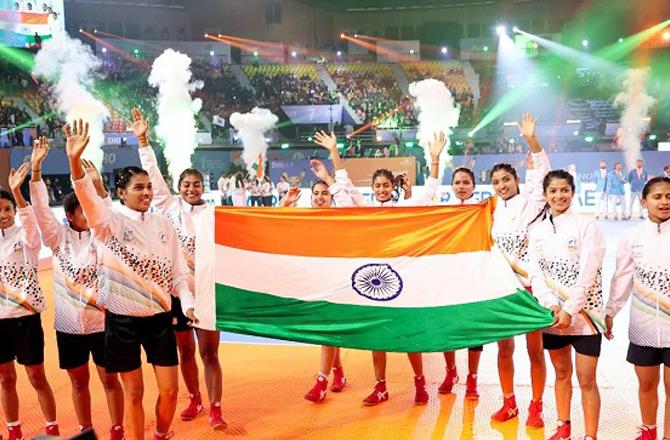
(179,320)
(73,350)
(22,339)
(477,348)
(648,356)
(588,345)
(125,335)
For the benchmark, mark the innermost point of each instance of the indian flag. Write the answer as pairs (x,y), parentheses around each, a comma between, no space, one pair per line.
(415,279)
(19,28)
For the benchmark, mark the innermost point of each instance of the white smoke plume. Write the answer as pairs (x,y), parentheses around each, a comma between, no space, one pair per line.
(437,111)
(171,74)
(251,128)
(69,66)
(634,117)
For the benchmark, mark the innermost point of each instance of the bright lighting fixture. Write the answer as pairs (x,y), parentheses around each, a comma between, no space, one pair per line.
(585,43)
(444,50)
(501,30)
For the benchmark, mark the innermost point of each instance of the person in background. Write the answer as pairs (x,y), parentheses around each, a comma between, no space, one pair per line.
(572,169)
(266,191)
(638,178)
(616,194)
(666,171)
(223,186)
(600,177)
(282,187)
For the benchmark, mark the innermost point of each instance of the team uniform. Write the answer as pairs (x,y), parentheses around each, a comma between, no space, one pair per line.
(643,272)
(79,320)
(140,268)
(21,299)
(181,214)
(566,254)
(343,181)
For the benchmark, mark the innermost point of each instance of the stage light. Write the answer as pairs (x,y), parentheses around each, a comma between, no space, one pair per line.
(339,53)
(485,48)
(620,40)
(588,139)
(81,30)
(576,133)
(409,144)
(95,31)
(309,138)
(652,137)
(104,50)
(501,30)
(444,50)
(255,53)
(342,35)
(585,43)
(294,54)
(666,36)
(515,29)
(379,138)
(470,134)
(136,51)
(411,51)
(340,145)
(355,35)
(285,146)
(206,35)
(211,53)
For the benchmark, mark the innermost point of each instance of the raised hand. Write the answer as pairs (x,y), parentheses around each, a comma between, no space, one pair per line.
(77,138)
(139,124)
(319,169)
(291,197)
(16,177)
(91,170)
(437,145)
(527,126)
(326,140)
(41,148)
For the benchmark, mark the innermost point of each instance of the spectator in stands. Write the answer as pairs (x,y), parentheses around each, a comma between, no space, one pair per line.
(282,187)
(616,194)
(600,177)
(638,178)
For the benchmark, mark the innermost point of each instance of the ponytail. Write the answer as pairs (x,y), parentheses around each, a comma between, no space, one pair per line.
(541,216)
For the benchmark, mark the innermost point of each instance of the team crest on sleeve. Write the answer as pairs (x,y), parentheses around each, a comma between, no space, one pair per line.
(378,282)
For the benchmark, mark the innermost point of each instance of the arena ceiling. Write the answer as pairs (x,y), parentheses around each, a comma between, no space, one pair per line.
(390,5)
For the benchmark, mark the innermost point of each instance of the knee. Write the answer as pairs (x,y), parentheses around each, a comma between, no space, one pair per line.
(79,383)
(210,355)
(37,379)
(134,394)
(8,380)
(563,373)
(110,382)
(587,381)
(506,349)
(536,355)
(647,386)
(169,393)
(186,352)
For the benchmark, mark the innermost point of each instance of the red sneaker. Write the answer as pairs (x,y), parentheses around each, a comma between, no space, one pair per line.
(535,415)
(420,395)
(562,432)
(508,411)
(449,381)
(52,430)
(116,433)
(646,433)
(166,436)
(193,409)
(379,394)
(471,387)
(215,417)
(15,432)
(318,391)
(339,381)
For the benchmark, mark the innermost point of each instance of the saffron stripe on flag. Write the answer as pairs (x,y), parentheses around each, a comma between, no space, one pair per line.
(357,232)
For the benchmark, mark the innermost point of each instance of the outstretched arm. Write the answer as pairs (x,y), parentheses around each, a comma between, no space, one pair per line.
(329,142)
(49,225)
(31,236)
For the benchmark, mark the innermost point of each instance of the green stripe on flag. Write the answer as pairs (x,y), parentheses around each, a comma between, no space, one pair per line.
(399,329)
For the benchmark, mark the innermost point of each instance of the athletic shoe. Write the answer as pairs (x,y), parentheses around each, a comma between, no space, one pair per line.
(508,411)
(339,381)
(193,409)
(646,433)
(215,417)
(166,436)
(379,394)
(15,432)
(52,430)
(562,431)
(471,387)
(116,433)
(449,381)
(535,415)
(318,391)
(420,395)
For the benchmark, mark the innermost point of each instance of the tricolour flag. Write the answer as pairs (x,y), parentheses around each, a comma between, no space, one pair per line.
(396,279)
(258,166)
(19,28)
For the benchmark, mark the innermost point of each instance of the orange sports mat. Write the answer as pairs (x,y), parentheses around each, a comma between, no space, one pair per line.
(264,385)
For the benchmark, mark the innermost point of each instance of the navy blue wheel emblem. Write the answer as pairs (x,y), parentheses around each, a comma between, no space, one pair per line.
(378,282)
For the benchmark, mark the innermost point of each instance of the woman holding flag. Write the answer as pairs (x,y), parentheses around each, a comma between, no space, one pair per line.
(387,189)
(515,210)
(325,194)
(182,210)
(566,252)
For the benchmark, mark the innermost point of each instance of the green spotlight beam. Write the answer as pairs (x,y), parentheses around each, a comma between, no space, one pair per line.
(20,58)
(32,122)
(617,51)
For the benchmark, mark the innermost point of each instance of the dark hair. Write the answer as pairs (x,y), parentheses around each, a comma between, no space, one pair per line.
(70,203)
(667,167)
(318,182)
(553,175)
(465,170)
(125,175)
(652,183)
(504,167)
(7,196)
(190,172)
(383,172)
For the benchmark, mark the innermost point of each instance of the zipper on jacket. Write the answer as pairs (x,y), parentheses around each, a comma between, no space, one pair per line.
(551,220)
